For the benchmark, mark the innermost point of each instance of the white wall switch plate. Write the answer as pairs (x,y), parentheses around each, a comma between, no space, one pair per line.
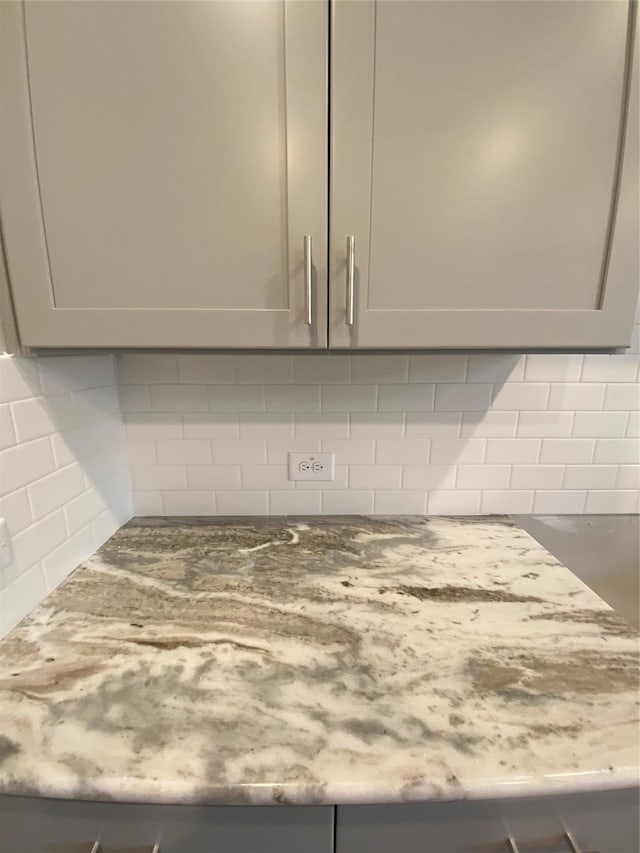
(312,466)
(6,557)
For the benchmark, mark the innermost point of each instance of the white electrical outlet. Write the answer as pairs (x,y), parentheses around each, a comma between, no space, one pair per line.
(6,557)
(312,466)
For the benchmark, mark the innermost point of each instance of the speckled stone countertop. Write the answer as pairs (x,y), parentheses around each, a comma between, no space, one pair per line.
(318,661)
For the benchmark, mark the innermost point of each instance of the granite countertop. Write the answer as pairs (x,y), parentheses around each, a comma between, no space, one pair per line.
(318,661)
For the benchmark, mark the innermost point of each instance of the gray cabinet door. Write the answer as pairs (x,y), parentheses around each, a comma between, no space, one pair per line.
(33,825)
(477,154)
(603,822)
(162,164)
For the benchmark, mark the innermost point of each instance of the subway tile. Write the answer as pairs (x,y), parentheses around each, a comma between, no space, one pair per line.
(340,481)
(457,450)
(54,490)
(31,545)
(517,451)
(433,424)
(553,368)
(60,562)
(295,503)
(146,503)
(213,477)
(243,451)
(242,503)
(563,502)
(495,367)
(321,425)
(21,596)
(19,378)
(149,425)
(25,463)
(622,396)
(633,425)
(599,424)
(351,451)
(15,509)
(200,368)
(628,477)
(321,369)
(188,503)
(88,405)
(428,477)
(349,398)
(146,368)
(612,502)
(567,451)
(537,476)
(211,425)
(186,451)
(399,503)
(610,368)
(413,397)
(7,431)
(269,425)
(590,476)
(377,424)
(266,477)
(489,424)
(59,374)
(379,368)
(179,398)
(483,476)
(292,398)
(83,509)
(140,451)
(234,398)
(375,476)
(453,502)
(436,367)
(152,478)
(134,398)
(259,369)
(278,450)
(521,396)
(105,525)
(544,424)
(402,451)
(461,397)
(576,396)
(497,502)
(40,416)
(347,503)
(617,451)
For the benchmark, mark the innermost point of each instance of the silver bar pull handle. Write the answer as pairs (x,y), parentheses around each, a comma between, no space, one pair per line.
(96,847)
(351,273)
(573,844)
(512,847)
(308,295)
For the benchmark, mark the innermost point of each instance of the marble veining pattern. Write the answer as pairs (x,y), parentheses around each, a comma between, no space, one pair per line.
(318,661)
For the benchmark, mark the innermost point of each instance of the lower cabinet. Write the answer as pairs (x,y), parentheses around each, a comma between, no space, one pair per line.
(603,822)
(33,825)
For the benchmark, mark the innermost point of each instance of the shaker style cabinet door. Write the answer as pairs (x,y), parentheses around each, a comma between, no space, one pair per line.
(162,164)
(485,166)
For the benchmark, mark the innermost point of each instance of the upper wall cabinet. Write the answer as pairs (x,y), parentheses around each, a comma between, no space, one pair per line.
(476,157)
(163,163)
(164,173)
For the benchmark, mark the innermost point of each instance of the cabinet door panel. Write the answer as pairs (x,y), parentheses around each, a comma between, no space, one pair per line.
(475,151)
(180,158)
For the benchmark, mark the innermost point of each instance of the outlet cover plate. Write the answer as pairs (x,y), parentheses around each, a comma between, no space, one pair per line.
(312,466)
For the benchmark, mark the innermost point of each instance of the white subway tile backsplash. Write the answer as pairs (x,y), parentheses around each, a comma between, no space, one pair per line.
(377,425)
(563,502)
(140,451)
(506,502)
(19,379)
(489,424)
(612,502)
(433,424)
(321,425)
(428,477)
(295,503)
(258,370)
(292,398)
(154,425)
(379,368)
(48,493)
(457,451)
(186,451)
(351,451)
(461,397)
(151,478)
(213,477)
(204,369)
(242,503)
(399,503)
(633,425)
(544,424)
(71,552)
(134,398)
(574,396)
(406,398)
(537,476)
(566,451)
(269,425)
(350,502)
(266,477)
(437,368)
(326,369)
(517,396)
(590,477)
(27,590)
(278,451)
(233,398)
(180,398)
(349,398)
(188,503)
(402,451)
(610,368)
(458,502)
(39,416)
(147,368)
(483,476)
(25,463)
(205,425)
(621,451)
(551,368)
(622,397)
(73,373)
(340,481)
(81,511)
(147,503)
(247,451)
(375,476)
(495,367)
(31,545)
(517,451)
(599,424)
(16,510)
(628,477)
(7,431)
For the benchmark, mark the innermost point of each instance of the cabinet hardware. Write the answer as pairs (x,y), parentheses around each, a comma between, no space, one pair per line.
(573,844)
(512,846)
(351,272)
(96,847)
(308,296)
